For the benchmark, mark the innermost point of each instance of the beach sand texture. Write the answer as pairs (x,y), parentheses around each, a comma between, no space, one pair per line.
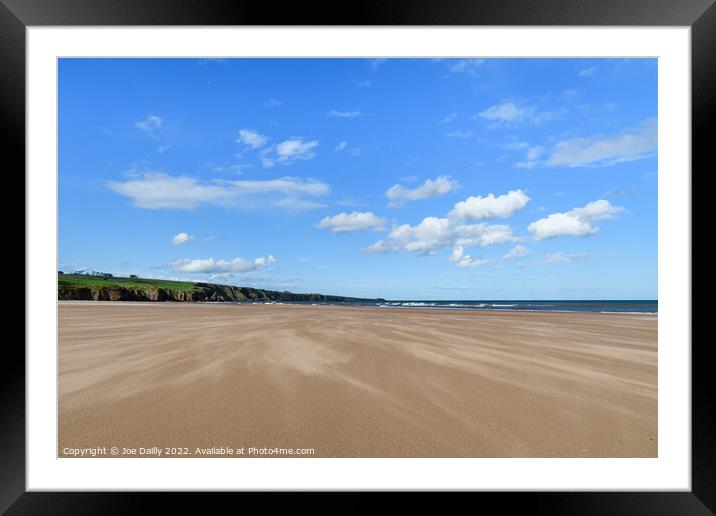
(357,381)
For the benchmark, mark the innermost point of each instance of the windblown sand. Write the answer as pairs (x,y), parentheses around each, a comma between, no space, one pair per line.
(357,382)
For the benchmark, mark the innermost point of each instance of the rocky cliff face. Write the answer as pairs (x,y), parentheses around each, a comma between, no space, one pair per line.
(201,292)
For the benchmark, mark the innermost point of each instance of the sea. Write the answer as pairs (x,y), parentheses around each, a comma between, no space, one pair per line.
(599,306)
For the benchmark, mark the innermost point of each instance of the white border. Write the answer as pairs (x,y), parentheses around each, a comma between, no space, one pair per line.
(670,471)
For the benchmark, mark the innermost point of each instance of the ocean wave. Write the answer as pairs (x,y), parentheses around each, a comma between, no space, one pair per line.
(486,307)
(632,313)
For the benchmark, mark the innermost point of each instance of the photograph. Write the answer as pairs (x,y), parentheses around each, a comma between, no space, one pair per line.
(357,257)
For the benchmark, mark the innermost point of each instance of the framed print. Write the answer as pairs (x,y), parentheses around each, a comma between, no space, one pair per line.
(415,249)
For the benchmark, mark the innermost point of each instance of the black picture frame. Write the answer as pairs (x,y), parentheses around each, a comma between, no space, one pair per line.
(17,15)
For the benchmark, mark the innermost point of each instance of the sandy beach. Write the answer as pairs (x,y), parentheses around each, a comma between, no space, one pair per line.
(355,382)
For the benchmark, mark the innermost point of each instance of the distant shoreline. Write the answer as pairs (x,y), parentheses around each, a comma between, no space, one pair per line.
(417,309)
(108,288)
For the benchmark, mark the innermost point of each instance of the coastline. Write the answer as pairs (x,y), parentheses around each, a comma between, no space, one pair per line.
(383,304)
(349,381)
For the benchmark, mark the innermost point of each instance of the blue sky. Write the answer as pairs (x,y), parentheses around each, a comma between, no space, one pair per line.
(398,178)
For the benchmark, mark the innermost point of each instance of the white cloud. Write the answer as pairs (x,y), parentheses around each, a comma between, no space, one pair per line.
(532,157)
(211,60)
(341,146)
(182,238)
(515,145)
(451,117)
(543,117)
(355,221)
(587,72)
(289,151)
(343,114)
(211,266)
(465,260)
(576,222)
(519,251)
(564,258)
(619,193)
(459,134)
(535,153)
(295,148)
(251,138)
(273,103)
(157,190)
(398,195)
(377,63)
(284,153)
(468,66)
(364,83)
(457,253)
(469,261)
(221,276)
(478,208)
(163,148)
(606,149)
(434,233)
(561,224)
(570,95)
(234,168)
(285,185)
(507,112)
(510,113)
(296,204)
(150,124)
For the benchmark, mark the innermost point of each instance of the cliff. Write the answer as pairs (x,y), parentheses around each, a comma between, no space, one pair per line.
(82,288)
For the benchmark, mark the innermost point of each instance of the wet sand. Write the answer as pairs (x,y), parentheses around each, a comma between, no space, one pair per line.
(355,382)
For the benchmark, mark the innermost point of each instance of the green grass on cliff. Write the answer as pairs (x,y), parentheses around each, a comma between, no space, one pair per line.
(79,281)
